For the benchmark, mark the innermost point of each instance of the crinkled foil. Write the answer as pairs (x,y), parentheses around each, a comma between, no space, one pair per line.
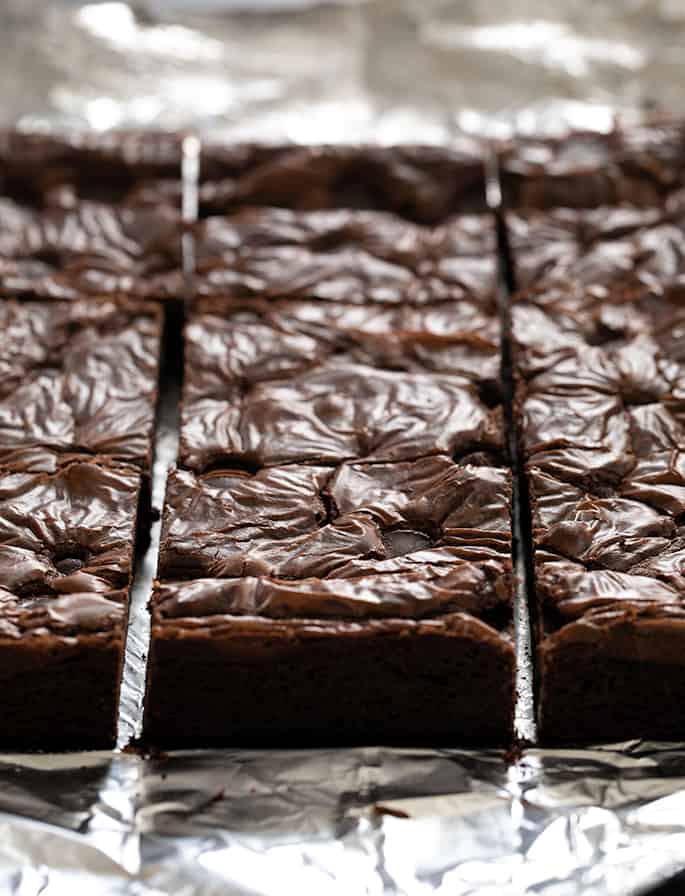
(608,821)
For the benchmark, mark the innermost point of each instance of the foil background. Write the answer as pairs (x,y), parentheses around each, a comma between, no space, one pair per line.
(608,821)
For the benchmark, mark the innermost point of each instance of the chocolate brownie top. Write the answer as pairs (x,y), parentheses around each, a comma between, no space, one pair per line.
(420,183)
(302,382)
(66,549)
(91,249)
(358,541)
(77,377)
(602,368)
(345,256)
(584,169)
(135,167)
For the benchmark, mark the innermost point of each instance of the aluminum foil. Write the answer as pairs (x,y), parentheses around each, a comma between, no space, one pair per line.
(603,821)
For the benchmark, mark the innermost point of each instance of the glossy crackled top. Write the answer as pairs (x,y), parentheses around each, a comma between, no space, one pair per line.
(345,256)
(577,257)
(585,169)
(117,166)
(77,377)
(365,540)
(66,549)
(603,430)
(301,382)
(91,249)
(420,183)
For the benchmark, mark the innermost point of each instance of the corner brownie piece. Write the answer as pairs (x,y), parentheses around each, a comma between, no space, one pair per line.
(90,249)
(344,256)
(638,165)
(600,357)
(132,167)
(77,377)
(311,604)
(421,183)
(66,552)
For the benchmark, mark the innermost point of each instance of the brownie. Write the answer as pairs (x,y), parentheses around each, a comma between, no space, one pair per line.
(313,382)
(314,604)
(66,552)
(344,256)
(638,165)
(422,183)
(600,360)
(132,167)
(77,377)
(90,249)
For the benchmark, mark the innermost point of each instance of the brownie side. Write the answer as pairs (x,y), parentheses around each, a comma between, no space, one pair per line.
(599,358)
(60,692)
(131,167)
(624,669)
(78,377)
(66,555)
(421,183)
(296,682)
(638,166)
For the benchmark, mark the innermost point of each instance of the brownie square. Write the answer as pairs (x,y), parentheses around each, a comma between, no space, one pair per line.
(638,165)
(90,249)
(311,604)
(344,256)
(308,382)
(66,553)
(77,377)
(421,183)
(599,355)
(131,167)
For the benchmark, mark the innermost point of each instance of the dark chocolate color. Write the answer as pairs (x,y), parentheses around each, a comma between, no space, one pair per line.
(301,382)
(585,169)
(342,605)
(66,554)
(345,256)
(91,249)
(335,562)
(77,377)
(134,167)
(601,358)
(421,183)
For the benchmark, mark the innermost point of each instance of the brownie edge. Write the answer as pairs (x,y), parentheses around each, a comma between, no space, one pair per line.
(253,681)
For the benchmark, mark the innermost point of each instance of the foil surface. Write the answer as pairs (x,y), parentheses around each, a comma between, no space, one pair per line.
(608,821)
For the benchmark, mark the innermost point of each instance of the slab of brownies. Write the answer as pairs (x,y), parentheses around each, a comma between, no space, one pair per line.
(599,334)
(88,226)
(77,404)
(335,561)
(335,564)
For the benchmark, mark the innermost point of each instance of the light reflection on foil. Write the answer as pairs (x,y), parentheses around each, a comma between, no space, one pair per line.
(607,821)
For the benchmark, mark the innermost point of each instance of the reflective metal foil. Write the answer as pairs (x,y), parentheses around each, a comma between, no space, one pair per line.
(608,821)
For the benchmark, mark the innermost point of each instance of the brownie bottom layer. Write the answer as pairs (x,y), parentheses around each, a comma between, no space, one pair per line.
(399,690)
(587,697)
(60,696)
